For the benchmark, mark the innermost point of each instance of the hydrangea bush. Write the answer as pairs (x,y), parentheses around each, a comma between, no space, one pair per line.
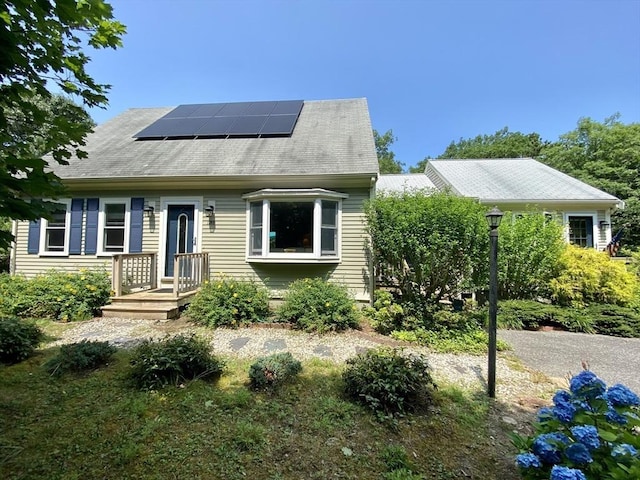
(591,432)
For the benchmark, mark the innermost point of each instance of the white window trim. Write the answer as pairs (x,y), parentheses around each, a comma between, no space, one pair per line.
(316,195)
(101,225)
(595,226)
(67,232)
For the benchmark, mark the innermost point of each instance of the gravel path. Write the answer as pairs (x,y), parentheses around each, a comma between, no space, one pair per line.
(468,371)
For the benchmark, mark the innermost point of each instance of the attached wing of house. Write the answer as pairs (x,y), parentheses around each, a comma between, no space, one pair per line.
(522,184)
(268,190)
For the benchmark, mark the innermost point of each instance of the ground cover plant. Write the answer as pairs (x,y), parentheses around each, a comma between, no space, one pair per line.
(227,302)
(273,371)
(18,339)
(307,429)
(173,361)
(592,432)
(56,295)
(81,356)
(317,305)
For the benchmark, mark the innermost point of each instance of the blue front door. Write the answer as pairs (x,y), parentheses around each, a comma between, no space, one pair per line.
(179,234)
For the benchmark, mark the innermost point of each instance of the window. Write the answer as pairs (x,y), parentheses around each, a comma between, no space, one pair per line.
(114,223)
(581,230)
(54,235)
(294,225)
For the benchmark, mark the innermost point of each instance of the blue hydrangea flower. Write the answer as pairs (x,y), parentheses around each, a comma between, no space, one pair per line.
(528,460)
(587,435)
(561,396)
(578,454)
(546,446)
(564,412)
(565,473)
(544,414)
(621,396)
(614,417)
(587,384)
(623,450)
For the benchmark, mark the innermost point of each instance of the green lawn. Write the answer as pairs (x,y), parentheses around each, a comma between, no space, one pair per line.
(96,426)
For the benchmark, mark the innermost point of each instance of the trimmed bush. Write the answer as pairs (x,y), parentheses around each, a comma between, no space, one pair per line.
(588,276)
(531,315)
(55,295)
(315,305)
(172,361)
(269,373)
(229,303)
(80,356)
(387,382)
(18,339)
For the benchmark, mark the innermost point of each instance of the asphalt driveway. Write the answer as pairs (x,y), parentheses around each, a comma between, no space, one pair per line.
(559,354)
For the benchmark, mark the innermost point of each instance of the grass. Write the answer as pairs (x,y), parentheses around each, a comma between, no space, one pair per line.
(96,426)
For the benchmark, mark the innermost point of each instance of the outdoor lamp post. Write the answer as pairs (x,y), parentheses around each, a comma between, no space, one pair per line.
(493,218)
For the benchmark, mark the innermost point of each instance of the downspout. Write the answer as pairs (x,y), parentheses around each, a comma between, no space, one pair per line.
(12,252)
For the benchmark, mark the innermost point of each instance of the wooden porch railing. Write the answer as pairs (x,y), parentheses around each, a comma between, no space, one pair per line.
(190,270)
(134,271)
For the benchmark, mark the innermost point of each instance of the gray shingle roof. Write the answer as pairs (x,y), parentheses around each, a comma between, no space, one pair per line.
(404,181)
(517,179)
(331,137)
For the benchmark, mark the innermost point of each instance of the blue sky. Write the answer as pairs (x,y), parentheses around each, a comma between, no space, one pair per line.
(433,70)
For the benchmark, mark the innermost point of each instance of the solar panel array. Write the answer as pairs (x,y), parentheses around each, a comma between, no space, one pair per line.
(241,119)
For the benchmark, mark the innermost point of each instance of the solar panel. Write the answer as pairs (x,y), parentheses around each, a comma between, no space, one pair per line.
(216,127)
(288,107)
(279,125)
(226,119)
(244,126)
(261,108)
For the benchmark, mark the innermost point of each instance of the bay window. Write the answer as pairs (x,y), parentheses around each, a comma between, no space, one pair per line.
(294,225)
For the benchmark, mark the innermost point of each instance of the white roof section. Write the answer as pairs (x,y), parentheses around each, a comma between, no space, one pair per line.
(511,179)
(331,137)
(391,183)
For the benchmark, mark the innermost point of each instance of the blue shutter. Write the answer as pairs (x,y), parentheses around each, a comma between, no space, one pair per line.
(75,241)
(135,232)
(91,228)
(33,243)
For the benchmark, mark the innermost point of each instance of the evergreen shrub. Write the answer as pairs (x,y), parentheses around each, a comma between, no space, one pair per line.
(80,356)
(18,339)
(269,373)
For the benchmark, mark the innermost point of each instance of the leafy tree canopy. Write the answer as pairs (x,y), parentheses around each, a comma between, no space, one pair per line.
(386,158)
(42,43)
(607,156)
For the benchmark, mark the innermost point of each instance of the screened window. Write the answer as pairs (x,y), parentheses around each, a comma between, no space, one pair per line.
(290,228)
(56,232)
(114,224)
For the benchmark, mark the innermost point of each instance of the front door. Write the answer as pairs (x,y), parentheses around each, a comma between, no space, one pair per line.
(179,234)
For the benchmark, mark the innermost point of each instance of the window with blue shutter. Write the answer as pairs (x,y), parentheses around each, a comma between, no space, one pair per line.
(135,232)
(91,227)
(75,239)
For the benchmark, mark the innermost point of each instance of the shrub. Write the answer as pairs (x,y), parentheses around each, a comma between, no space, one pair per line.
(55,295)
(268,373)
(230,303)
(530,250)
(172,361)
(385,315)
(587,276)
(591,432)
(472,340)
(80,356)
(614,320)
(319,306)
(387,382)
(427,243)
(528,314)
(18,339)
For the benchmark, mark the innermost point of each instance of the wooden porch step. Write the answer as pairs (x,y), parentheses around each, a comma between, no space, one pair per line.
(145,312)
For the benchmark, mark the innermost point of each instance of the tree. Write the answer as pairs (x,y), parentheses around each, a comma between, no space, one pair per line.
(502,144)
(386,158)
(42,45)
(607,156)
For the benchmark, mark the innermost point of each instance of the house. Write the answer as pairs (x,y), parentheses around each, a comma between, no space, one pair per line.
(272,191)
(517,185)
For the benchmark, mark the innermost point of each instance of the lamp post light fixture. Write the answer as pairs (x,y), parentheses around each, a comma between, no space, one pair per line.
(494,217)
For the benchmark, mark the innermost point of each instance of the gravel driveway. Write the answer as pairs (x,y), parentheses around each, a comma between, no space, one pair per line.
(615,360)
